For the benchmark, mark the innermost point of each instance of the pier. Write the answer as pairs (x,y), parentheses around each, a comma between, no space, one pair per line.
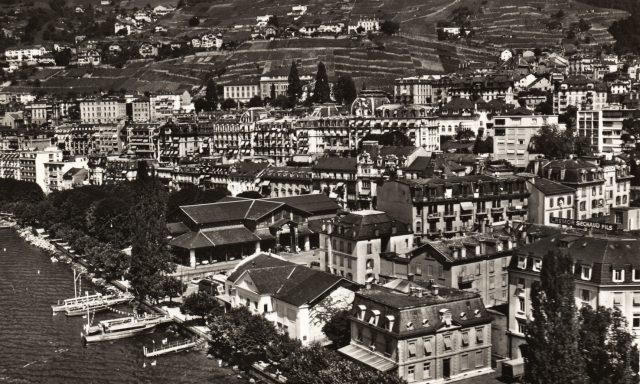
(176,346)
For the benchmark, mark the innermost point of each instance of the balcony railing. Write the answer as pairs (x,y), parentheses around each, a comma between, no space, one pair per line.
(466,278)
(433,216)
(450,214)
(466,212)
(497,209)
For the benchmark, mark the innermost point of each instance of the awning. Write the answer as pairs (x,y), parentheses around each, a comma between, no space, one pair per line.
(265,183)
(466,205)
(369,358)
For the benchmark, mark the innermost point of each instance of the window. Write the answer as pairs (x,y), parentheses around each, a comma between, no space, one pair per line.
(388,346)
(428,347)
(464,362)
(568,200)
(375,316)
(348,262)
(368,249)
(521,304)
(522,262)
(551,202)
(362,310)
(479,359)
(521,327)
(586,273)
(491,266)
(617,299)
(359,334)
(537,265)
(390,321)
(426,370)
(411,373)
(411,347)
(447,343)
(465,339)
(636,320)
(586,295)
(492,284)
(479,335)
(419,269)
(618,275)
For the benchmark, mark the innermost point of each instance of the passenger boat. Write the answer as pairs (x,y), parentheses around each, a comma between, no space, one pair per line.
(122,327)
(99,304)
(61,307)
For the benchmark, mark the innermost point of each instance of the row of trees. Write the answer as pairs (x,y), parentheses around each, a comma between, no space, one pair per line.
(100,221)
(245,338)
(565,345)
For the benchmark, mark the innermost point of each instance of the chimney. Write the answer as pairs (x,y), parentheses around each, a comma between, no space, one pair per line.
(329,228)
(410,277)
(435,289)
(367,286)
(419,292)
(463,252)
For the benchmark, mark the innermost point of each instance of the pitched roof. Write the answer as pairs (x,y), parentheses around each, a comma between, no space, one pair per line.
(230,236)
(229,211)
(191,240)
(550,187)
(348,164)
(362,225)
(314,204)
(289,282)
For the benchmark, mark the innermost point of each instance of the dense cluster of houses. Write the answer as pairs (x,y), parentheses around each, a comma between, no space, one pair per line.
(380,207)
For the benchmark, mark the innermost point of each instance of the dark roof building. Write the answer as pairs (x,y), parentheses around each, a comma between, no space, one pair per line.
(417,330)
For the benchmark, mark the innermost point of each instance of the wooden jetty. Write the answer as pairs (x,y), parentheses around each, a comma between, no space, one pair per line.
(176,346)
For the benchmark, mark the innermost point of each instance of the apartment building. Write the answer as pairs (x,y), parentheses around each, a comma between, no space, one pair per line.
(513,132)
(453,205)
(102,111)
(606,273)
(275,139)
(600,185)
(603,128)
(550,199)
(351,246)
(421,332)
(243,90)
(286,181)
(582,93)
(475,263)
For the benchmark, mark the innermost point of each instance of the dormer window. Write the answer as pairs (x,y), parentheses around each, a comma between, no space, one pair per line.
(425,322)
(586,273)
(537,265)
(618,275)
(390,321)
(463,315)
(363,310)
(522,262)
(410,326)
(375,316)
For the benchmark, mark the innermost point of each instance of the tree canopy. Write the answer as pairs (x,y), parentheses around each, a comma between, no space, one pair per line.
(294,89)
(345,90)
(322,89)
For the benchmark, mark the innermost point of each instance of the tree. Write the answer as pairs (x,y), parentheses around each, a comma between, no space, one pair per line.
(256,101)
(228,104)
(62,57)
(150,258)
(606,346)
(544,108)
(194,21)
(142,173)
(282,102)
(338,329)
(200,304)
(389,27)
(552,142)
(272,92)
(294,89)
(464,134)
(345,90)
(321,90)
(172,287)
(211,95)
(552,355)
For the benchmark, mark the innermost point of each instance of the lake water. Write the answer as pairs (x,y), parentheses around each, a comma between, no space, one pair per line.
(39,347)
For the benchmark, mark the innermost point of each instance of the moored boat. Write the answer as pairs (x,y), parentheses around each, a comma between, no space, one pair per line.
(61,307)
(123,327)
(99,304)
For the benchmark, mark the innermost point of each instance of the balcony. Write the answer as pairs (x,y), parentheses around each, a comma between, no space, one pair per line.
(518,209)
(481,212)
(495,210)
(465,213)
(462,279)
(433,216)
(450,214)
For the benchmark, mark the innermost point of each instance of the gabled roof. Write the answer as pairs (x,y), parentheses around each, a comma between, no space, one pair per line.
(313,204)
(289,282)
(550,187)
(229,211)
(348,164)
